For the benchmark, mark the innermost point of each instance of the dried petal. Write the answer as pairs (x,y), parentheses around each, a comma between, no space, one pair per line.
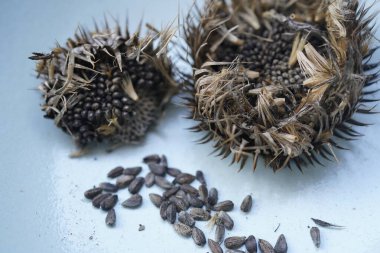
(200,177)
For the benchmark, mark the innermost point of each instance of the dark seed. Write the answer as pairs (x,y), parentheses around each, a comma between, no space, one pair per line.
(135,185)
(189,189)
(133,171)
(226,220)
(251,244)
(180,204)
(234,242)
(123,181)
(186,219)
(234,251)
(108,187)
(316,236)
(325,224)
(98,199)
(195,202)
(214,246)
(157,169)
(181,194)
(265,246)
(184,178)
(163,209)
(164,161)
(226,206)
(220,230)
(156,199)
(109,202)
(149,179)
(281,245)
(199,214)
(203,192)
(152,159)
(92,193)
(115,172)
(111,218)
(173,172)
(171,213)
(200,177)
(133,202)
(212,196)
(246,204)
(170,192)
(198,237)
(183,229)
(163,183)
(141,227)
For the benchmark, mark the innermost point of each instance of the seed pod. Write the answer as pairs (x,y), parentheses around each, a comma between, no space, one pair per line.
(149,179)
(246,204)
(111,218)
(186,219)
(183,229)
(189,189)
(133,171)
(281,245)
(173,172)
(214,246)
(170,192)
(108,187)
(123,181)
(152,159)
(226,206)
(156,199)
(226,220)
(136,185)
(109,202)
(212,196)
(199,214)
(203,192)
(98,199)
(198,237)
(171,213)
(220,231)
(115,172)
(163,183)
(234,242)
(133,202)
(265,246)
(315,236)
(195,202)
(251,244)
(200,177)
(180,204)
(163,209)
(92,193)
(184,178)
(157,169)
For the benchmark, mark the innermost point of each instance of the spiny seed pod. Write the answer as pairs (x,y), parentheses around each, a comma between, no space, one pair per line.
(107,85)
(279,79)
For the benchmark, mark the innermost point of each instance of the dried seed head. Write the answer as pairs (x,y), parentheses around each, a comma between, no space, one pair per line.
(123,181)
(234,242)
(265,246)
(156,199)
(199,214)
(183,229)
(133,202)
(186,219)
(198,237)
(111,218)
(214,246)
(136,185)
(133,171)
(92,193)
(115,172)
(315,236)
(251,244)
(281,245)
(246,204)
(226,206)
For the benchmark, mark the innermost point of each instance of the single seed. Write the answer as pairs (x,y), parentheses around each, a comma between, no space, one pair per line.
(111,218)
(203,192)
(246,204)
(141,227)
(200,177)
(251,244)
(171,213)
(281,245)
(152,159)
(173,172)
(226,206)
(214,246)
(92,193)
(180,204)
(234,251)
(220,231)
(184,178)
(156,199)
(212,196)
(136,185)
(170,192)
(163,209)
(123,181)
(133,202)
(157,169)
(234,242)
(181,194)
(265,246)
(115,172)
(325,224)
(190,189)
(183,229)
(185,218)
(226,220)
(98,199)
(316,236)
(149,179)
(198,237)
(164,161)
(195,202)
(199,214)
(109,202)
(133,171)
(108,187)
(162,182)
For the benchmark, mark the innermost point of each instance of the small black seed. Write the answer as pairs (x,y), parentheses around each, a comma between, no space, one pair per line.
(109,202)
(133,202)
(173,190)
(220,231)
(226,220)
(200,177)
(234,242)
(265,247)
(157,169)
(156,199)
(212,196)
(136,185)
(163,209)
(149,179)
(180,204)
(133,171)
(203,192)
(183,229)
(190,190)
(152,159)
(198,237)
(199,214)
(195,202)
(111,218)
(123,181)
(281,245)
(108,187)
(115,172)
(226,206)
(98,199)
(251,244)
(246,205)
(184,178)
(315,236)
(92,193)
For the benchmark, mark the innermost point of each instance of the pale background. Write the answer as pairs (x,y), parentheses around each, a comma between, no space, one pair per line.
(42,205)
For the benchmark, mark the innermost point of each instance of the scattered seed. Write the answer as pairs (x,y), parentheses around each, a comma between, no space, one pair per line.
(220,231)
(141,227)
(163,209)
(183,229)
(212,196)
(98,199)
(234,242)
(200,177)
(108,187)
(115,172)
(265,246)
(185,218)
(171,213)
(180,204)
(157,169)
(316,236)
(162,182)
(133,202)
(199,214)
(325,224)
(173,172)
(109,202)
(156,199)
(133,171)
(203,192)
(184,178)
(251,244)
(214,246)
(198,237)
(181,194)
(152,159)
(92,193)
(149,179)
(226,219)
(190,189)
(226,206)
(170,192)
(136,185)
(195,202)
(281,245)
(123,181)
(111,218)
(246,204)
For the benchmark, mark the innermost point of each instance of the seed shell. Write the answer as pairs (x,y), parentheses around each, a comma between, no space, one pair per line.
(251,244)
(133,171)
(198,237)
(200,177)
(199,214)
(234,242)
(246,205)
(149,179)
(265,246)
(214,246)
(136,185)
(133,202)
(157,169)
(92,193)
(109,202)
(98,199)
(163,183)
(220,231)
(111,218)
(212,196)
(156,199)
(315,236)
(108,187)
(281,245)
(184,178)
(123,181)
(186,218)
(226,206)
(183,229)
(114,173)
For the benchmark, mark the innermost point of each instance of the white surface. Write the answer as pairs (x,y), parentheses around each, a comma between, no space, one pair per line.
(42,205)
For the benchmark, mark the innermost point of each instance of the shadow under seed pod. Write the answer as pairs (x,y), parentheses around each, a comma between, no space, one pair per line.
(212,196)
(200,177)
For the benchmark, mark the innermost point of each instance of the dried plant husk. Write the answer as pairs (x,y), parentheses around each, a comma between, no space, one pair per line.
(279,79)
(108,85)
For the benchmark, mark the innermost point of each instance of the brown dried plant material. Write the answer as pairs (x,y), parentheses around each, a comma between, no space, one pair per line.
(279,80)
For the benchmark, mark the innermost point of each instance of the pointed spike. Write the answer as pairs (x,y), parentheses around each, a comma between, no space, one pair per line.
(370,92)
(357,123)
(313,156)
(340,136)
